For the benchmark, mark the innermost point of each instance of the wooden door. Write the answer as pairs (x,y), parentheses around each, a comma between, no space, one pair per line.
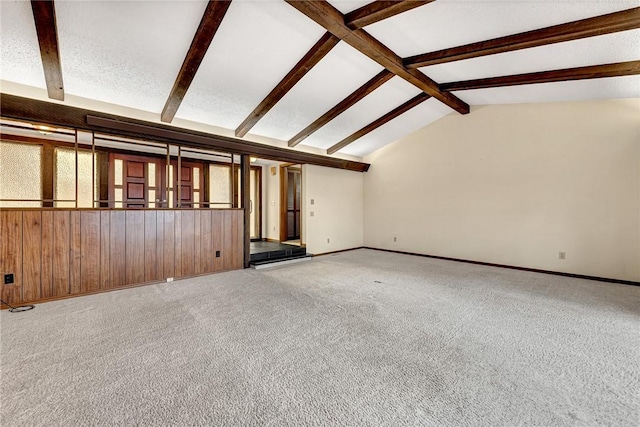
(134,181)
(291,203)
(190,182)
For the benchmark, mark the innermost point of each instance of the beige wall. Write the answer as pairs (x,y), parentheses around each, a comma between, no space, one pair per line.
(271,202)
(515,185)
(337,209)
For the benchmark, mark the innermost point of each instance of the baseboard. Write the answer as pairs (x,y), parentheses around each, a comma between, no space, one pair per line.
(340,251)
(512,267)
(102,291)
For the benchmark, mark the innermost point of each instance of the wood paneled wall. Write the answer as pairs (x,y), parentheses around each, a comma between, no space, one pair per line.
(57,252)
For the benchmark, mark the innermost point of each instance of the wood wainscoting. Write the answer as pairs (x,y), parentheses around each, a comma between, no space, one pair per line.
(57,253)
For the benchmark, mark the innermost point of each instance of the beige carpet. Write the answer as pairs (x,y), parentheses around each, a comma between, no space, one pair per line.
(358,338)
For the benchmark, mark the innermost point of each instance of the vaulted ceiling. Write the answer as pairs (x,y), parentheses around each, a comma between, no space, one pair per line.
(345,76)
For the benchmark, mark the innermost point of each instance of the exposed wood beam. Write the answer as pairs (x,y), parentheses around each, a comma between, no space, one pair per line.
(379,122)
(567,74)
(365,15)
(332,20)
(44,14)
(613,22)
(308,61)
(211,20)
(342,106)
(34,111)
(379,10)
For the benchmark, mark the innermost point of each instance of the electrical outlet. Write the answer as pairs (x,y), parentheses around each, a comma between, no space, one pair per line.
(395,239)
(328,241)
(169,279)
(311,213)
(562,255)
(8,279)
(217,254)
(313,201)
(274,228)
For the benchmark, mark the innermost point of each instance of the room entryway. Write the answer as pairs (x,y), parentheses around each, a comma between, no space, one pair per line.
(291,204)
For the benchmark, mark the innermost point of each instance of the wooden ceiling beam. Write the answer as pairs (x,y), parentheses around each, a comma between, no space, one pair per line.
(211,20)
(377,81)
(54,114)
(380,10)
(44,15)
(416,100)
(308,61)
(579,73)
(333,21)
(368,14)
(605,24)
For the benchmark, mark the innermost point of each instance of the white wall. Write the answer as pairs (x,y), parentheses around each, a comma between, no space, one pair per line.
(515,185)
(337,209)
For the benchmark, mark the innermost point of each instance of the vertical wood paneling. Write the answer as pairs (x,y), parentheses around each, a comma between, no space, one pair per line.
(197,248)
(227,244)
(105,251)
(206,242)
(61,252)
(178,244)
(31,255)
(134,247)
(57,252)
(11,254)
(90,250)
(169,244)
(47,254)
(150,246)
(217,235)
(187,241)
(117,254)
(159,245)
(239,238)
(75,261)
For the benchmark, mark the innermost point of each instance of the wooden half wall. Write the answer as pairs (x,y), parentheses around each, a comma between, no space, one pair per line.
(57,253)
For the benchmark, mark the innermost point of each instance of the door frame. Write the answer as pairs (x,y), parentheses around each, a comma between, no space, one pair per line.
(284,181)
(258,170)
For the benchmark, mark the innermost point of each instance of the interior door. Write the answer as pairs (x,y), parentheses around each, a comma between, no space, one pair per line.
(134,181)
(293,203)
(190,181)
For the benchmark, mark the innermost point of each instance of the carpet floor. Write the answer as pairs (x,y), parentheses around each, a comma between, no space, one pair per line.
(357,338)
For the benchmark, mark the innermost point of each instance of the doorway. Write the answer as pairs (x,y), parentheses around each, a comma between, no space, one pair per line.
(291,203)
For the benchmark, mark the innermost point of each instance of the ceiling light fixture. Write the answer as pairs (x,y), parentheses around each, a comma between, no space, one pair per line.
(45,130)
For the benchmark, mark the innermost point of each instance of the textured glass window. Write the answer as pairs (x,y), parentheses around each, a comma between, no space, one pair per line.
(152,174)
(65,178)
(170,185)
(20,174)
(152,198)
(118,196)
(196,178)
(118,174)
(219,186)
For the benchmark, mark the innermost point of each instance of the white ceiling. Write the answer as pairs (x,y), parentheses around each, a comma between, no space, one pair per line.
(129,53)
